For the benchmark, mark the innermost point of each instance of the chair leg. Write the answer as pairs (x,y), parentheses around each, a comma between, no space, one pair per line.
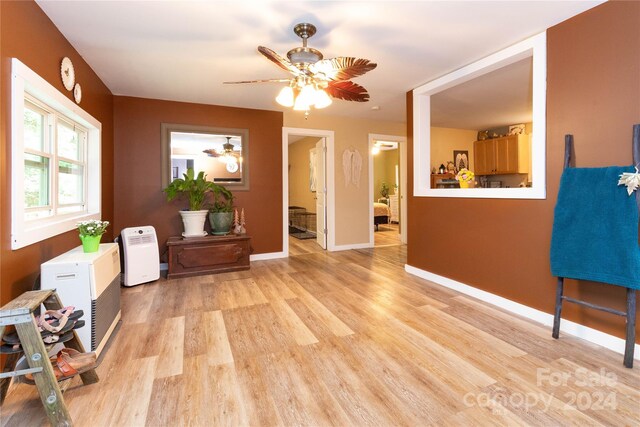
(631,328)
(558,310)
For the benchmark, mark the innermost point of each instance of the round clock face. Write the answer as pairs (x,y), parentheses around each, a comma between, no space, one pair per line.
(232,167)
(67,73)
(77,93)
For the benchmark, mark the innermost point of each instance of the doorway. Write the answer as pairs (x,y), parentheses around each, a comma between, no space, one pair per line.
(308,197)
(387,184)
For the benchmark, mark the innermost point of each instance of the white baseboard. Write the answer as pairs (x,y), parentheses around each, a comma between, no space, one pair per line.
(592,335)
(269,255)
(337,248)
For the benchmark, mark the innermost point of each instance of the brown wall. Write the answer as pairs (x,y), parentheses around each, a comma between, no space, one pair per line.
(27,33)
(139,199)
(592,92)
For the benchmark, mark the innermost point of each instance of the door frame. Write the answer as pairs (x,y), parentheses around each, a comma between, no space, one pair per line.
(402,153)
(330,182)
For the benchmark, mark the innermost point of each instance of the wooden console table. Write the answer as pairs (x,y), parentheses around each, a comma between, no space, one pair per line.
(207,255)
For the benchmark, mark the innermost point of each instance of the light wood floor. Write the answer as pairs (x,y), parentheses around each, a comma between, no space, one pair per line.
(387,235)
(344,339)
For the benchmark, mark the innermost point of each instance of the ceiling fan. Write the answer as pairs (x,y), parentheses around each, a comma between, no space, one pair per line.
(315,80)
(228,149)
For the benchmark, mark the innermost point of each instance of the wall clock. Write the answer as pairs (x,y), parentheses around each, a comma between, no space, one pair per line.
(232,167)
(68,74)
(77,93)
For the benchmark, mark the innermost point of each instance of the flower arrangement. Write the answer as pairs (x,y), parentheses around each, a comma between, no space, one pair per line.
(465,177)
(93,227)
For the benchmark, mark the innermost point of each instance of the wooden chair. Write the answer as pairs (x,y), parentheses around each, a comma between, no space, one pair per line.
(630,313)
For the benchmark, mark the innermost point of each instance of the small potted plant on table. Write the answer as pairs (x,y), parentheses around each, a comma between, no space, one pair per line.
(221,212)
(195,188)
(91,232)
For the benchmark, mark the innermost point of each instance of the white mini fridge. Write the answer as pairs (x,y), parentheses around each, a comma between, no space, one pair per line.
(89,282)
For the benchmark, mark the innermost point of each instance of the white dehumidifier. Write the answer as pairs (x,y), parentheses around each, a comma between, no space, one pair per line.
(141,258)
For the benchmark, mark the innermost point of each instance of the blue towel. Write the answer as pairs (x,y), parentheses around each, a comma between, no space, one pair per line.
(595,228)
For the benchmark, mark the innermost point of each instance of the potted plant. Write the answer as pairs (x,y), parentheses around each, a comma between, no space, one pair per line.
(384,190)
(195,188)
(91,233)
(221,211)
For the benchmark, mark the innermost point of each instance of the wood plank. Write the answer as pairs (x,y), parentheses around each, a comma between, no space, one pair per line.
(25,303)
(171,355)
(298,330)
(218,349)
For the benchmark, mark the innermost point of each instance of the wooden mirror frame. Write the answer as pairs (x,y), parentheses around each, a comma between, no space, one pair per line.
(165,139)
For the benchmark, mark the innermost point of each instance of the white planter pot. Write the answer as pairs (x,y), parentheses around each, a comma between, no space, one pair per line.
(194,223)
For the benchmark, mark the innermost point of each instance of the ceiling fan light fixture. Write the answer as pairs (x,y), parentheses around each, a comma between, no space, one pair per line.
(305,99)
(322,99)
(286,97)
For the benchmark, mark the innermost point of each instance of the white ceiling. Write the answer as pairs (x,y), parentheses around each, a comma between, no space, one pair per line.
(184,50)
(500,98)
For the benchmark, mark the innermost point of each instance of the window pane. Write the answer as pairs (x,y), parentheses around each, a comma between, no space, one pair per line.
(70,188)
(33,130)
(69,143)
(36,181)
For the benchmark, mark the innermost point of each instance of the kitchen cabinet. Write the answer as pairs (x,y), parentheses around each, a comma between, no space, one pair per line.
(438,177)
(505,155)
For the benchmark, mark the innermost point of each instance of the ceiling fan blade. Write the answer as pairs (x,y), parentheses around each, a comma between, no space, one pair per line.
(342,68)
(258,81)
(279,60)
(211,152)
(347,90)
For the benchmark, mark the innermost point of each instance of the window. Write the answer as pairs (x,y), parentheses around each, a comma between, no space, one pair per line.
(530,51)
(55,160)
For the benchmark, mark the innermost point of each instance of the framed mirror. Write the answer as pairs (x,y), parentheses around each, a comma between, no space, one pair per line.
(488,117)
(222,153)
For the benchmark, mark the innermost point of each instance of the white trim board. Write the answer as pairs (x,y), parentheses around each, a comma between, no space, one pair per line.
(352,246)
(536,47)
(268,255)
(402,161)
(330,181)
(589,334)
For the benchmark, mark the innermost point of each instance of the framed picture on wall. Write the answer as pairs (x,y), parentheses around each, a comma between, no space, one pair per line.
(461,159)
(175,172)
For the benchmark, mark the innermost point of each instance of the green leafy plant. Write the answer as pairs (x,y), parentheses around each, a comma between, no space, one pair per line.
(222,199)
(93,227)
(384,190)
(195,187)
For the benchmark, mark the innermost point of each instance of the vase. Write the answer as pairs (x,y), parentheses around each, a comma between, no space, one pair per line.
(90,243)
(220,222)
(194,223)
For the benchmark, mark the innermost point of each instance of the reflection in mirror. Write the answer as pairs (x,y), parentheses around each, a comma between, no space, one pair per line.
(484,125)
(222,154)
(488,118)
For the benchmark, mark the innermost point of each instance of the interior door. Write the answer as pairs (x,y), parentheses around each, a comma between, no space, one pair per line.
(321,193)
